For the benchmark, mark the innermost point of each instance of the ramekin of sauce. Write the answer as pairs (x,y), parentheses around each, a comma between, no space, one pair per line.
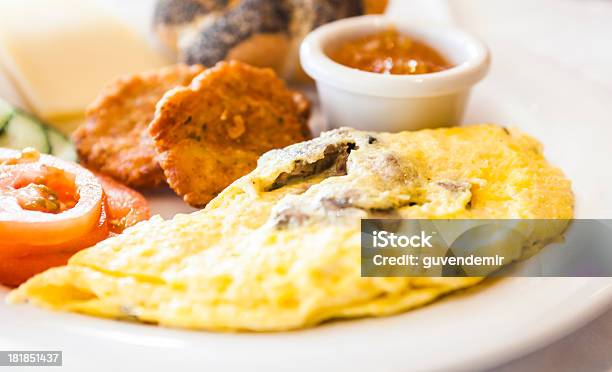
(373,73)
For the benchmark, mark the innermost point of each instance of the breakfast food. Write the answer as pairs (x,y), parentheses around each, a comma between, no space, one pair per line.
(279,248)
(50,208)
(19,130)
(114,139)
(124,207)
(212,132)
(263,33)
(6,113)
(390,52)
(65,52)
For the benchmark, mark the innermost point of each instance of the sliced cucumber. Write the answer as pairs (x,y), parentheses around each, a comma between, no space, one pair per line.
(6,113)
(24,131)
(61,145)
(19,130)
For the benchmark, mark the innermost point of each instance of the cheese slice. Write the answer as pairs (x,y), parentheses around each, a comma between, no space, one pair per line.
(61,53)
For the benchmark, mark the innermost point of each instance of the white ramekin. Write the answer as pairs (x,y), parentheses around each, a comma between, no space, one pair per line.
(392,103)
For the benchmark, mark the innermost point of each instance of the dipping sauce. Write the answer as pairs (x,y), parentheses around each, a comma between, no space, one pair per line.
(390,52)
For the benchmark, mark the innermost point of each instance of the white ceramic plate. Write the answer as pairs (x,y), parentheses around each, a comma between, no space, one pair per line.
(477,329)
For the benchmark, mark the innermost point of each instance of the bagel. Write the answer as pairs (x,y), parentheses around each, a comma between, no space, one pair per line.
(263,33)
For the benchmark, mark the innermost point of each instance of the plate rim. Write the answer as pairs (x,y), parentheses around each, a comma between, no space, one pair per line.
(591,299)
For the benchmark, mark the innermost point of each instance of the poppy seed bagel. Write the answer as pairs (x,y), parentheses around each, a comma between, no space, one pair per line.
(264,33)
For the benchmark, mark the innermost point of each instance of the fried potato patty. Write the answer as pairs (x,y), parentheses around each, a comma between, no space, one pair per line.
(211,133)
(114,139)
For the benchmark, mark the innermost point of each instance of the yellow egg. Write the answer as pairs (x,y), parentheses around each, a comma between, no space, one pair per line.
(279,249)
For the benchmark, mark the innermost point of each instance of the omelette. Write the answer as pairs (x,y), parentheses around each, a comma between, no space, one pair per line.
(279,248)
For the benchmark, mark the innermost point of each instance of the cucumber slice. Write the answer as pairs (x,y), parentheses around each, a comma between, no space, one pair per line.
(61,145)
(19,130)
(6,113)
(24,131)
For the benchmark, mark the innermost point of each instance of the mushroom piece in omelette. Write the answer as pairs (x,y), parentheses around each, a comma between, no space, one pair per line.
(279,248)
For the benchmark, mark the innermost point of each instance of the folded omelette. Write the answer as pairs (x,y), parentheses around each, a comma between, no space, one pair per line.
(279,249)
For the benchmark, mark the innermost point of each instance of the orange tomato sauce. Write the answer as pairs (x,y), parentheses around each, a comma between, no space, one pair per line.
(390,52)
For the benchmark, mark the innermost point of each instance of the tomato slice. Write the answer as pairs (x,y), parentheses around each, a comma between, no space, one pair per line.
(51,209)
(24,250)
(45,200)
(125,207)
(19,262)
(14,271)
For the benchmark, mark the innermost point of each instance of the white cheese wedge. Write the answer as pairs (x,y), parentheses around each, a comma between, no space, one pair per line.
(61,53)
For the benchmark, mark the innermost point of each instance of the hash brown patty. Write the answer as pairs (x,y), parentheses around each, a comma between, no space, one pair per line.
(211,133)
(114,139)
